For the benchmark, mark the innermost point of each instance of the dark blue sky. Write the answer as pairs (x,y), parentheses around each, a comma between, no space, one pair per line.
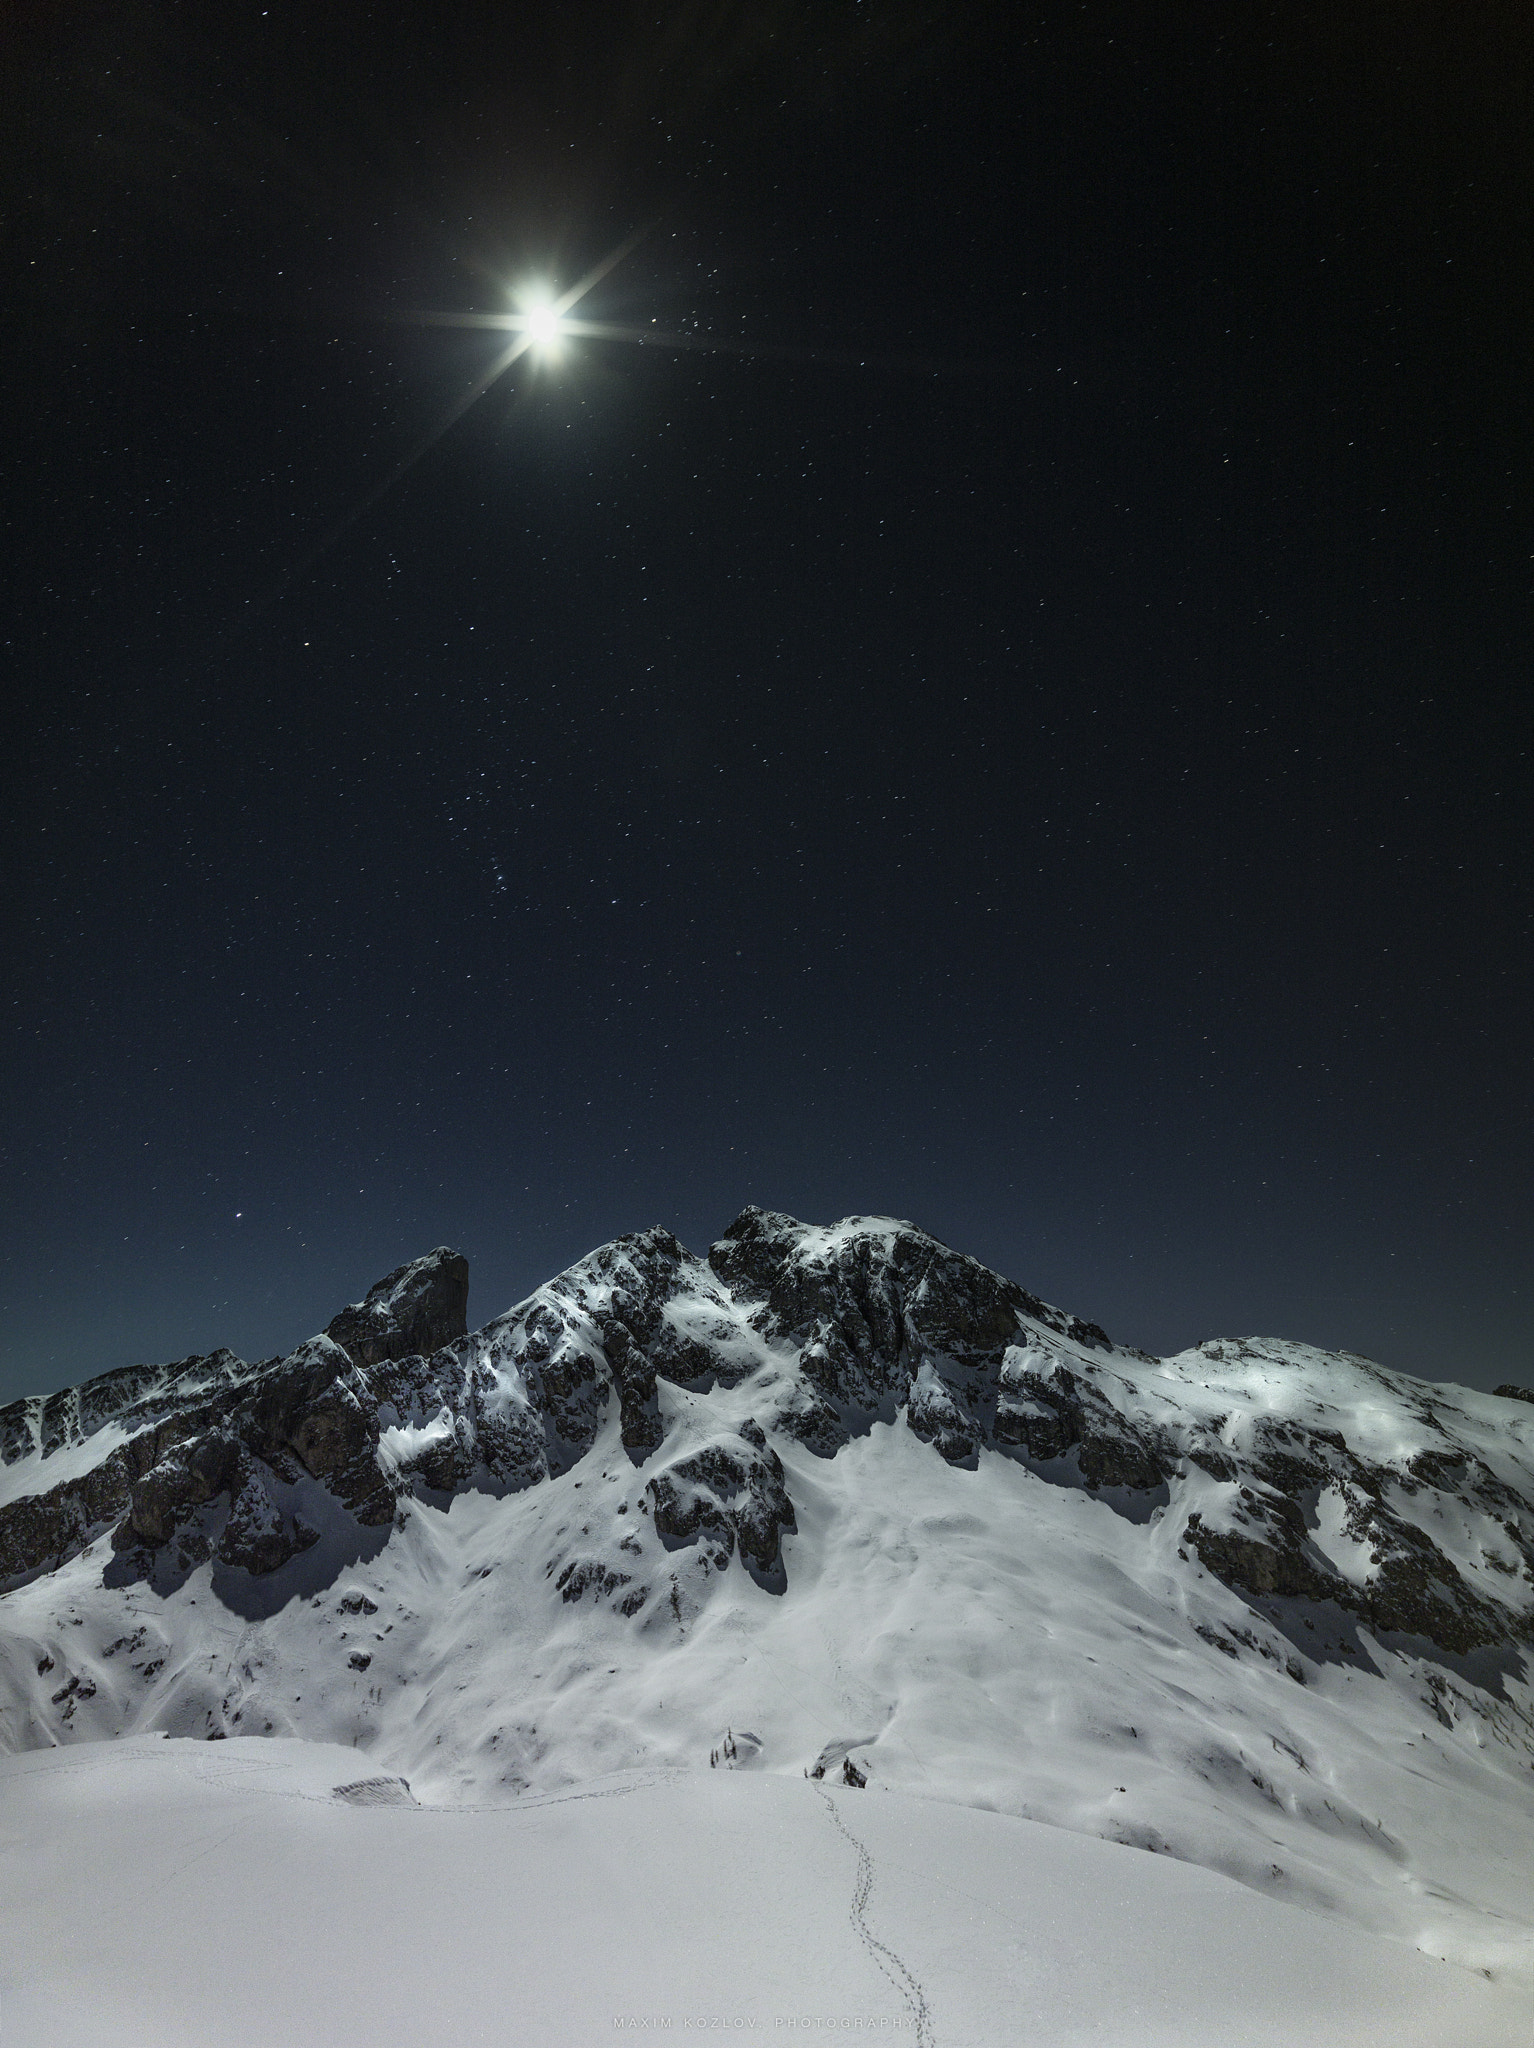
(1049,760)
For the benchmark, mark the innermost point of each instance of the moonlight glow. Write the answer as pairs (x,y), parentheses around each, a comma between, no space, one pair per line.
(543,326)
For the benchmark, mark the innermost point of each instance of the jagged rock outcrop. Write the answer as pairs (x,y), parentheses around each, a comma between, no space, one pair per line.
(726,1494)
(884,1316)
(413,1311)
(1050,1412)
(41,1530)
(130,1398)
(156,1408)
(1403,1583)
(234,1491)
(216,1450)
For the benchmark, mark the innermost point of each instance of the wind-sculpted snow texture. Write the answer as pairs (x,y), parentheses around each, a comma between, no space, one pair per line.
(1259,1606)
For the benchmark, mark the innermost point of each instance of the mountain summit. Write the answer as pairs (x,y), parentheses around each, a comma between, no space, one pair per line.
(835,1500)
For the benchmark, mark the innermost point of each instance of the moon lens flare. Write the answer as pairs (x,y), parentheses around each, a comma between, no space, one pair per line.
(542,327)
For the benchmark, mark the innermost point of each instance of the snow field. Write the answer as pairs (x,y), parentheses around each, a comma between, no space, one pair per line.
(168,1894)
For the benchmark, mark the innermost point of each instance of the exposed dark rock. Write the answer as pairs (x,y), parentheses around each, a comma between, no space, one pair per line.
(1508,1392)
(588,1575)
(320,1409)
(1292,1464)
(684,1507)
(753,1252)
(1413,1589)
(39,1531)
(416,1309)
(885,1317)
(261,1534)
(1258,1566)
(133,1396)
(1209,1456)
(17,1437)
(1118,1458)
(764,1514)
(1047,1410)
(811,1421)
(171,1491)
(376,1792)
(634,1375)
(237,1432)
(727,1493)
(935,1415)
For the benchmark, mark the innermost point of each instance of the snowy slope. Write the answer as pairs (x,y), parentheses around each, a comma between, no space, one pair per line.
(830,1495)
(169,1895)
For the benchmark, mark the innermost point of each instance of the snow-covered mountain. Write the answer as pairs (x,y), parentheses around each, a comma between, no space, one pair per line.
(832,1501)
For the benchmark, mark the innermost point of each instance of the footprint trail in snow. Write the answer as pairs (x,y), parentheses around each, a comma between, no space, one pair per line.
(902,1979)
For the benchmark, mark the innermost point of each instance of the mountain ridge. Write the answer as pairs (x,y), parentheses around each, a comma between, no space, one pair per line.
(881,1315)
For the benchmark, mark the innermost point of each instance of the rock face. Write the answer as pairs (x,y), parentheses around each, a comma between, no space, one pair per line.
(724,1495)
(883,1316)
(414,1310)
(1407,1584)
(212,1458)
(688,1368)
(138,1415)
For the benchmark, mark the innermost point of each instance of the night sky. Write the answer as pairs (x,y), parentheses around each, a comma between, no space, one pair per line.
(1042,748)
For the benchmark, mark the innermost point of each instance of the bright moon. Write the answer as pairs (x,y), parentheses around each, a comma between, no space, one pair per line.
(543,326)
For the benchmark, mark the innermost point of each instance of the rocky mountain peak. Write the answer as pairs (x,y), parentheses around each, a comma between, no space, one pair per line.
(417,1308)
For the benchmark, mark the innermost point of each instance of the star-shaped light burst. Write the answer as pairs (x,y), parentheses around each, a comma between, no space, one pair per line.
(543,323)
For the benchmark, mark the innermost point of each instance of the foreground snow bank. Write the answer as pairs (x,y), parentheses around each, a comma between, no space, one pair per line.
(176,1893)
